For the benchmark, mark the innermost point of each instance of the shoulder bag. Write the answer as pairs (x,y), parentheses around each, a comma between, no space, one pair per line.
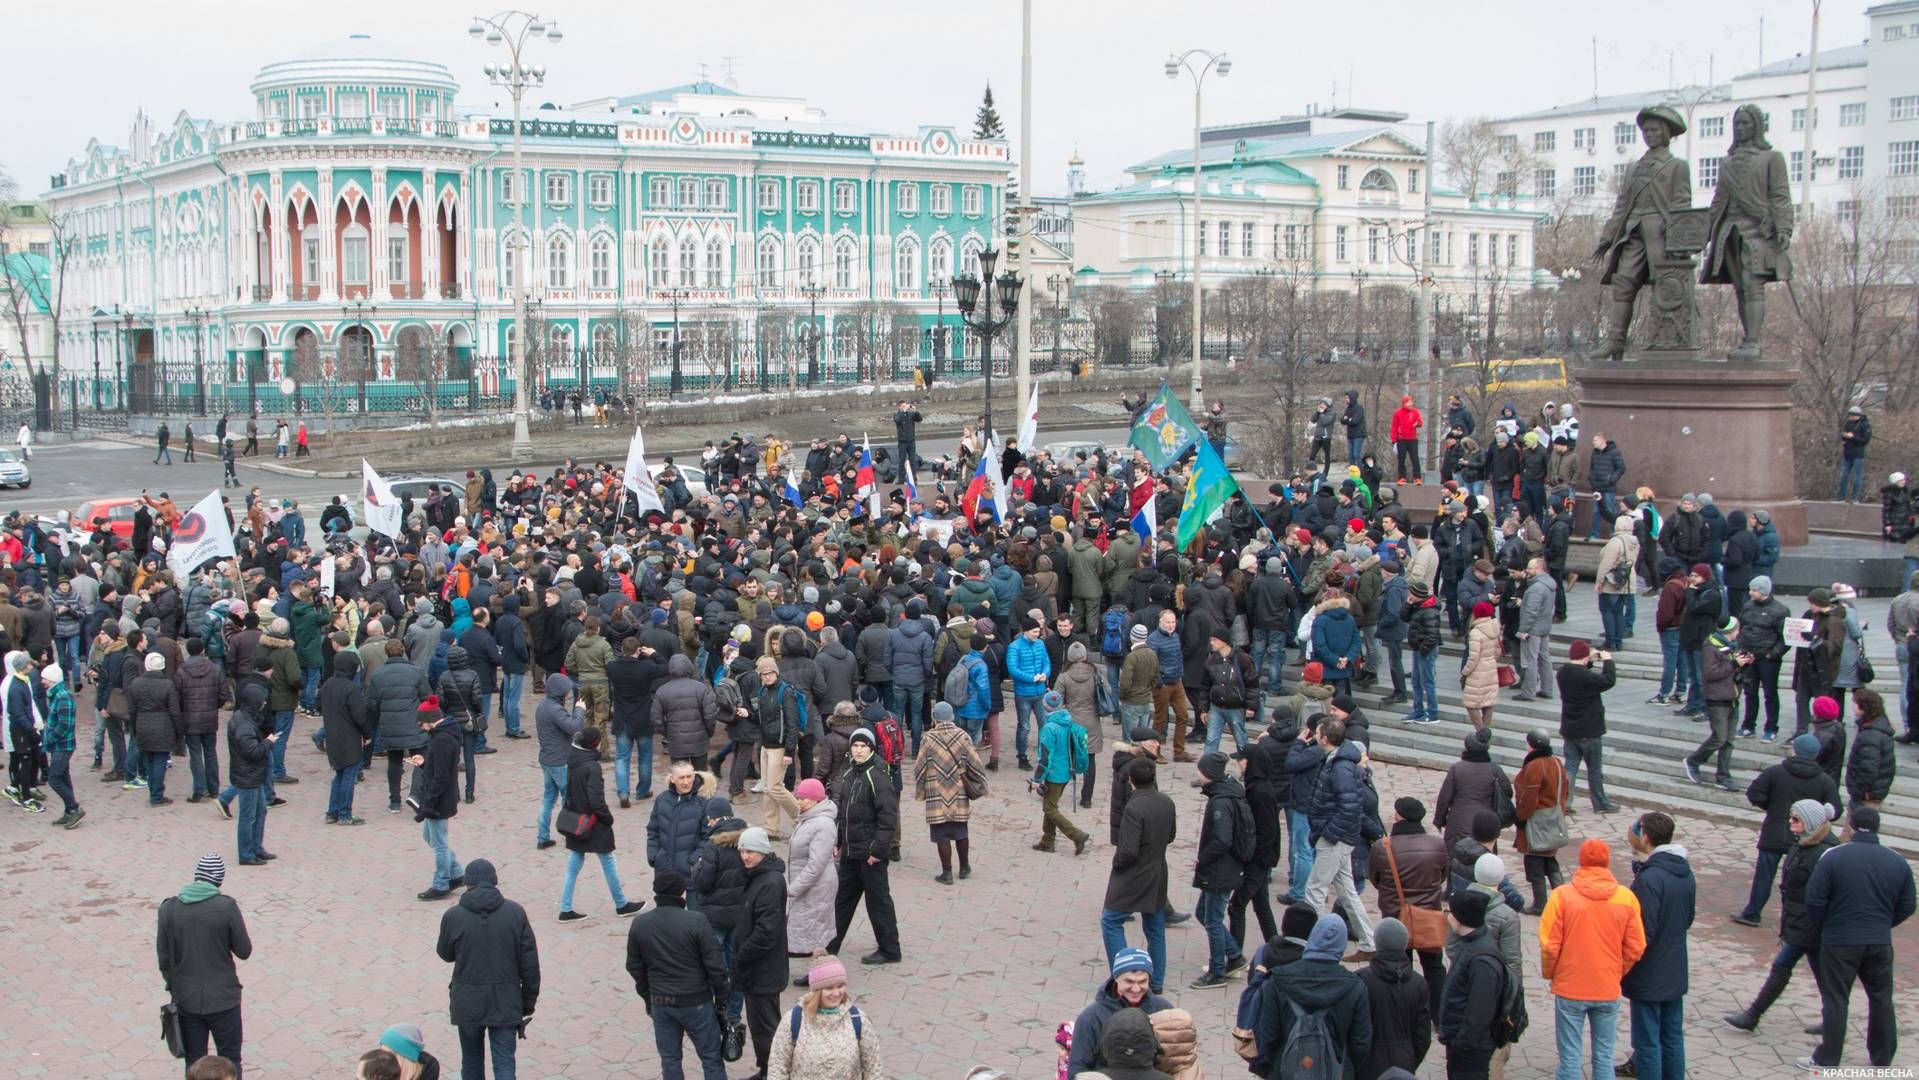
(1427,926)
(575,824)
(1546,828)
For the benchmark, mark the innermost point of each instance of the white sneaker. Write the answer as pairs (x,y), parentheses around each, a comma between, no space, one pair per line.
(758,789)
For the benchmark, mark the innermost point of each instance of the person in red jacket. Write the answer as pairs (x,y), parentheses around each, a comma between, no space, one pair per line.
(1407,421)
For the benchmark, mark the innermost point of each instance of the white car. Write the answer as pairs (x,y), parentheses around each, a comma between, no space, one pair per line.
(13,469)
(694,476)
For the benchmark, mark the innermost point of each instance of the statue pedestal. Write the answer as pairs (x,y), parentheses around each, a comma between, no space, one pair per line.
(1700,426)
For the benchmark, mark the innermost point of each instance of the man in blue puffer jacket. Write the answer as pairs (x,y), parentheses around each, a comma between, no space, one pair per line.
(971,716)
(1305,761)
(1031,668)
(1169,697)
(674,830)
(1334,820)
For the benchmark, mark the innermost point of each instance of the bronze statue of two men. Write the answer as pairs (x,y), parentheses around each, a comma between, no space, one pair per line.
(1748,225)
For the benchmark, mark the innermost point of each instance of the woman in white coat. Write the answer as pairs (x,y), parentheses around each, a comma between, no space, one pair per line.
(812,875)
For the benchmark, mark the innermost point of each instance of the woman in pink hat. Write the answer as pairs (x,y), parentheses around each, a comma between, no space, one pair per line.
(812,874)
(825,1037)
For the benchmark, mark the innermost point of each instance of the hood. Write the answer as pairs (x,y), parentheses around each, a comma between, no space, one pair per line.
(1226,787)
(679,667)
(455,658)
(461,609)
(718,807)
(346,663)
(1390,968)
(912,628)
(196,891)
(1670,858)
(1127,1040)
(274,641)
(428,623)
(1347,751)
(557,687)
(769,865)
(253,697)
(510,603)
(827,811)
(1595,882)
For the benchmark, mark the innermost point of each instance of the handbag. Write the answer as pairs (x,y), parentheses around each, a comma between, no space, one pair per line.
(118,707)
(1105,701)
(1426,925)
(1506,674)
(575,824)
(1503,799)
(170,1031)
(973,780)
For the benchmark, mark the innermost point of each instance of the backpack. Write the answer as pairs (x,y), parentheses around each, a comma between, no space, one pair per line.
(1245,832)
(1081,760)
(799,1013)
(958,687)
(784,687)
(892,742)
(1309,1052)
(1246,1013)
(1112,631)
(1620,576)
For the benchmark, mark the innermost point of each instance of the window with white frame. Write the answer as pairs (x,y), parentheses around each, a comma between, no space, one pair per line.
(1852,162)
(843,198)
(659,192)
(767,263)
(605,344)
(1895,33)
(969,258)
(1226,239)
(716,263)
(1292,241)
(1343,176)
(396,260)
(599,189)
(1202,238)
(1712,127)
(1506,182)
(509,262)
(659,263)
(600,261)
(559,188)
(559,261)
(1492,249)
(1902,158)
(1472,249)
(844,254)
(807,261)
(1585,179)
(769,195)
(689,262)
(1339,243)
(352,106)
(1246,239)
(1512,249)
(1412,248)
(509,188)
(1545,142)
(1622,134)
(353,255)
(939,262)
(1545,182)
(1902,207)
(1709,171)
(1585,138)
(716,194)
(806,196)
(970,200)
(393,106)
(1845,211)
(906,274)
(689,193)
(311,106)
(941,197)
(1799,119)
(1619,173)
(1798,166)
(1904,108)
(1852,114)
(1412,181)
(561,336)
(1372,243)
(1508,145)
(909,198)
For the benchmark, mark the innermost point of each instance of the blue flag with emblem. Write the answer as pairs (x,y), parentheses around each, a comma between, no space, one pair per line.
(1164,430)
(1206,493)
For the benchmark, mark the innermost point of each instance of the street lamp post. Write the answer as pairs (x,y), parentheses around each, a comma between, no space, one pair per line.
(123,365)
(1359,305)
(513,29)
(1197,63)
(96,360)
(940,289)
(967,295)
(1056,282)
(813,292)
(358,312)
(198,317)
(674,379)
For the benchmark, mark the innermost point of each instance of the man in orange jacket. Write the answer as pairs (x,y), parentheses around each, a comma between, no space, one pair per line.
(1589,936)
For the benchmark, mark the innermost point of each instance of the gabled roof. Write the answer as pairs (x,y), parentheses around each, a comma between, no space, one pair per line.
(1311,144)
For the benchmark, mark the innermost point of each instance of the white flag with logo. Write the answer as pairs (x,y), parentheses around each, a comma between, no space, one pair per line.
(1029,423)
(380,507)
(201,536)
(638,480)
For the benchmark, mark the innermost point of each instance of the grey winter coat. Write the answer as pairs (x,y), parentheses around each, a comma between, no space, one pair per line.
(1536,612)
(393,694)
(685,712)
(812,879)
(554,722)
(839,671)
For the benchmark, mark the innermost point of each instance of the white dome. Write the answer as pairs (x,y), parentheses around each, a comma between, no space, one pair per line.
(355,59)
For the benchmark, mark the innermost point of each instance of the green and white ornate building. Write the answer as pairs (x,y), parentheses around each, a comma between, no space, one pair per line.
(361,229)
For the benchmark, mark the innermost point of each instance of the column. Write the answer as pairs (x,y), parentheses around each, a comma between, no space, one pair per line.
(377,279)
(279,244)
(329,239)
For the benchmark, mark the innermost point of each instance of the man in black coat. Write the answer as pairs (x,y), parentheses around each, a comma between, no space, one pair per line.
(201,933)
(677,971)
(348,727)
(516,654)
(250,739)
(496,966)
(438,797)
(869,819)
(1263,772)
(1138,882)
(1218,869)
(1774,791)
(1859,892)
(630,678)
(483,657)
(759,940)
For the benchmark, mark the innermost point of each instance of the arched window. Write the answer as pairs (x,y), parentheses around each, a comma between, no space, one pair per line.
(561,336)
(605,338)
(1376,188)
(353,255)
(846,340)
(808,262)
(600,258)
(767,263)
(716,263)
(509,262)
(969,257)
(512,335)
(559,261)
(939,262)
(659,268)
(689,262)
(844,253)
(906,274)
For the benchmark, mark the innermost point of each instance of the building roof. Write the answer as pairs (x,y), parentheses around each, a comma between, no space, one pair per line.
(25,266)
(1851,56)
(1897,7)
(1614,103)
(27,213)
(667,94)
(355,58)
(1306,144)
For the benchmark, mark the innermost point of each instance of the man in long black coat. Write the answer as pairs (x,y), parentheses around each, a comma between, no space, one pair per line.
(1138,883)
(496,969)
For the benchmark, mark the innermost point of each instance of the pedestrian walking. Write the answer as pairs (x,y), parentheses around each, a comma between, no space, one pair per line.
(201,934)
(1721,663)
(868,821)
(349,727)
(759,941)
(160,440)
(1335,821)
(945,776)
(437,797)
(1227,838)
(1858,893)
(1812,837)
(677,972)
(1471,1018)
(57,742)
(496,965)
(1541,794)
(587,823)
(1778,791)
(1062,758)
(556,722)
(1409,868)
(812,874)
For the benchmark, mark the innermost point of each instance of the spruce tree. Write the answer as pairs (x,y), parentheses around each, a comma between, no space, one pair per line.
(986,124)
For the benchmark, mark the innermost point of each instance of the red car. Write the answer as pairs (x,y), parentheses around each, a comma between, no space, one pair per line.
(118,512)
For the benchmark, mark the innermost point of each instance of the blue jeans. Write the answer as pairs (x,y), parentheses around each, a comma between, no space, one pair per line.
(1425,685)
(69,652)
(60,778)
(908,703)
(1764,873)
(1588,751)
(577,859)
(670,1022)
(1112,932)
(474,1041)
(339,803)
(154,766)
(1299,852)
(250,821)
(623,748)
(1852,472)
(163,452)
(1025,709)
(511,687)
(1569,1023)
(1211,912)
(1689,680)
(204,762)
(1659,1039)
(1669,684)
(446,865)
(555,787)
(1218,719)
(309,686)
(1131,716)
(736,1000)
(1606,510)
(1612,610)
(1355,449)
(277,755)
(1269,659)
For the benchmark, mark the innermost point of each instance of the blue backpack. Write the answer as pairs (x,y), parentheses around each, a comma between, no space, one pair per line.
(793,1022)
(1112,631)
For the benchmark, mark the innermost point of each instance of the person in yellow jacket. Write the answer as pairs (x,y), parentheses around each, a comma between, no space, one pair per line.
(1589,936)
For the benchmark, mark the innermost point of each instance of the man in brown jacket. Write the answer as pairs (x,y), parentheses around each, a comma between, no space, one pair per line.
(1408,867)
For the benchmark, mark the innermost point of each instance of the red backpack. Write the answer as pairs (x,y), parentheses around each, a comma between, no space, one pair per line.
(891,739)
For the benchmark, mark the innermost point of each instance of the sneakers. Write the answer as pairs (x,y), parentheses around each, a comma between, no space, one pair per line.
(73,819)
(1744,733)
(1659,699)
(572,916)
(544,844)
(391,808)
(1208,981)
(630,909)
(877,957)
(945,877)
(1726,784)
(1235,965)
(625,803)
(350,820)
(1744,919)
(758,789)
(1692,772)
(134,784)
(1769,737)
(433,894)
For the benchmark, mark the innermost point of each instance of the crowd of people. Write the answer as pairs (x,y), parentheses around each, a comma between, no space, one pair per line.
(818,633)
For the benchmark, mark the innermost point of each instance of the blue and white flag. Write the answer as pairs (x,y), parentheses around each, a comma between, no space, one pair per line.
(1146,521)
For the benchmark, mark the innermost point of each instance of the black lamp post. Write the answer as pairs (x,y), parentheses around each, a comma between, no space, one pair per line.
(358,312)
(1359,305)
(198,317)
(966,293)
(938,333)
(96,360)
(123,365)
(674,380)
(813,293)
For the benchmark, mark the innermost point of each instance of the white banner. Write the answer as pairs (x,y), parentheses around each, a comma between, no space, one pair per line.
(637,479)
(380,508)
(201,536)
(1029,423)
(329,575)
(938,530)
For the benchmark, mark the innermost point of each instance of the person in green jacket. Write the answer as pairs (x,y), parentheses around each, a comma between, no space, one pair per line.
(308,620)
(275,656)
(1062,756)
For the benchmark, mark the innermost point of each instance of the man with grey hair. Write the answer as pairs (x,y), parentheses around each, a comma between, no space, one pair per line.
(1535,631)
(1762,632)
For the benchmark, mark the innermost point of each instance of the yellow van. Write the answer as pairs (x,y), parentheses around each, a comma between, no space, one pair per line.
(1533,373)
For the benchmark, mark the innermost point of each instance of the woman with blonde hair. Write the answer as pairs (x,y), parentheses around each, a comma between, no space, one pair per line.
(825,1036)
(1479,678)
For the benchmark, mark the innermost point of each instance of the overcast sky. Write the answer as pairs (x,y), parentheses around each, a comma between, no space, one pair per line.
(77,69)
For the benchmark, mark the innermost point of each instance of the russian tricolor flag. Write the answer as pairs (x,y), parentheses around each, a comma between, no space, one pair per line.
(912,488)
(1146,521)
(793,492)
(979,490)
(864,478)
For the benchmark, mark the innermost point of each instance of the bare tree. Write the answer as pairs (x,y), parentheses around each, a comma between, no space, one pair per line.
(1384,360)
(35,286)
(423,359)
(1114,314)
(1478,160)
(1285,349)
(1172,321)
(715,340)
(1849,319)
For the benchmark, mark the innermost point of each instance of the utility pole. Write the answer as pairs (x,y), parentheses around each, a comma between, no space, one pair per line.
(1197,63)
(1423,303)
(1812,112)
(1023,343)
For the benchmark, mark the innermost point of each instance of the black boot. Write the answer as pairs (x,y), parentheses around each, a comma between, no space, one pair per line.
(1747,1019)
(1540,890)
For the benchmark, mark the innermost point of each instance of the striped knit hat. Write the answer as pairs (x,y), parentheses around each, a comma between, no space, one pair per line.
(211,869)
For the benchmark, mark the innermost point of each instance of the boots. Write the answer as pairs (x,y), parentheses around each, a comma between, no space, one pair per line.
(1752,316)
(1747,1019)
(1540,889)
(1613,345)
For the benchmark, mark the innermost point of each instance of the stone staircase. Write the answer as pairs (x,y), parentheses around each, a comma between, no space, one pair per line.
(1645,744)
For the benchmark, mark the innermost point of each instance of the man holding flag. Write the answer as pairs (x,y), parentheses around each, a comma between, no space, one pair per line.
(381,508)
(639,481)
